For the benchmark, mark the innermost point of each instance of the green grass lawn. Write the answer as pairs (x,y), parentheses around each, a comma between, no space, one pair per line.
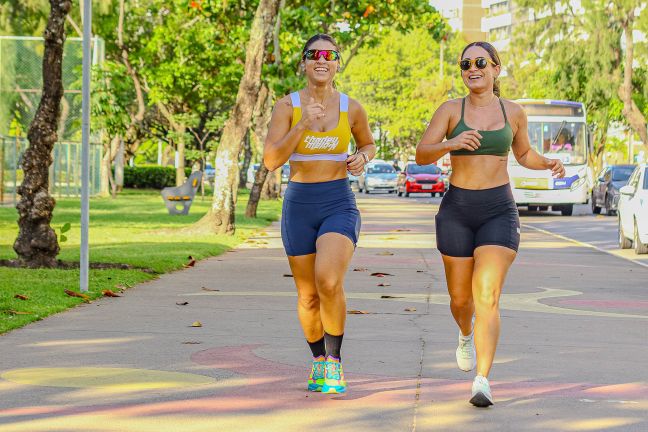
(134,229)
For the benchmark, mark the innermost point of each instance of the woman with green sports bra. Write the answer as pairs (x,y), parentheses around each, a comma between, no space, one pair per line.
(478,227)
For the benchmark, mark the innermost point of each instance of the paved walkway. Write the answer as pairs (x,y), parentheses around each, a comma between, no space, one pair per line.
(572,355)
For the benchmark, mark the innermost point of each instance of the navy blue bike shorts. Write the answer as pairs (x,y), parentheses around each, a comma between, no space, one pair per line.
(470,218)
(313,209)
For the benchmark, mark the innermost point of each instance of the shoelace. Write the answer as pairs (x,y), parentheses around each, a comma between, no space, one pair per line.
(333,371)
(318,369)
(465,346)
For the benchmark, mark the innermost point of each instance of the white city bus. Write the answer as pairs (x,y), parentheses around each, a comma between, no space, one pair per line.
(558,130)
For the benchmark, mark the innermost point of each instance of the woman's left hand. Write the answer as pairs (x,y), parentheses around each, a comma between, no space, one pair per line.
(356,163)
(556,167)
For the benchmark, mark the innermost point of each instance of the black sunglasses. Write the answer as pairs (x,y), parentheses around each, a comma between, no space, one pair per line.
(480,62)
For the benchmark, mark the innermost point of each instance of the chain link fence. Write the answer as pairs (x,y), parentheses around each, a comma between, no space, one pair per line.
(21,85)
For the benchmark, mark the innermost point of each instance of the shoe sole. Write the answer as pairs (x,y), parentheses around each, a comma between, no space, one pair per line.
(314,388)
(480,400)
(332,390)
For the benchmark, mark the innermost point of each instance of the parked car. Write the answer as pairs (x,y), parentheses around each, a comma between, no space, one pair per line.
(633,211)
(605,193)
(353,180)
(421,178)
(252,169)
(210,173)
(378,176)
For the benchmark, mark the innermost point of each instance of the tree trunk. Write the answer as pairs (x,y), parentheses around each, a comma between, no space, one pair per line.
(633,115)
(247,158)
(36,244)
(220,218)
(255,193)
(119,166)
(107,181)
(262,114)
(180,166)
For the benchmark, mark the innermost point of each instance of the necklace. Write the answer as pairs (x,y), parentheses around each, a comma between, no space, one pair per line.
(481,106)
(323,102)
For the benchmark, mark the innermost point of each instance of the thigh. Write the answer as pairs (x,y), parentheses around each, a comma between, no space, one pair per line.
(459,273)
(454,236)
(299,224)
(303,271)
(341,218)
(334,253)
(502,229)
(491,267)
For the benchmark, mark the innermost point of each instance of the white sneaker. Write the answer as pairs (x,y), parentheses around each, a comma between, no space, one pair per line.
(466,354)
(481,394)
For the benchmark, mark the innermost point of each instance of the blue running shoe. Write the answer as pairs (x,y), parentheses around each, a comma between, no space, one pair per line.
(334,378)
(316,378)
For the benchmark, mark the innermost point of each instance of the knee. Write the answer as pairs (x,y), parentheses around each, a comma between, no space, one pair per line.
(309,302)
(328,286)
(487,300)
(461,302)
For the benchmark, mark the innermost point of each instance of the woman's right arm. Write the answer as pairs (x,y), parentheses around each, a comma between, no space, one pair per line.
(432,147)
(281,140)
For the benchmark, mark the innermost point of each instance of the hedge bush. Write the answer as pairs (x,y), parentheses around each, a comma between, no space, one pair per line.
(150,177)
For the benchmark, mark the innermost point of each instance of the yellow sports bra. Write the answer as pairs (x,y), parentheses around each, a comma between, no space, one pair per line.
(329,145)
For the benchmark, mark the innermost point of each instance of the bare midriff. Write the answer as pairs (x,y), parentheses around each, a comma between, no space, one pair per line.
(317,171)
(479,171)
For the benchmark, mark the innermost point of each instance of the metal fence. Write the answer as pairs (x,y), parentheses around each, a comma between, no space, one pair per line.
(64,173)
(21,83)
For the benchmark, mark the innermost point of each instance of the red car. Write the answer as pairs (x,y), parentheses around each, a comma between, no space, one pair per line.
(420,178)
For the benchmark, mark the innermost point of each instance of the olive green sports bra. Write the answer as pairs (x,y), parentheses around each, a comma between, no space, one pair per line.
(494,142)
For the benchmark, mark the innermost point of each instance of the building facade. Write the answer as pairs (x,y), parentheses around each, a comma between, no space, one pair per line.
(464,16)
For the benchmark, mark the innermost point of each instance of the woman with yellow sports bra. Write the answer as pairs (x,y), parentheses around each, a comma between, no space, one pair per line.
(477,226)
(320,221)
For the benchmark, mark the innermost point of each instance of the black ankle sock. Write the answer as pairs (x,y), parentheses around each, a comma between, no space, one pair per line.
(317,347)
(333,345)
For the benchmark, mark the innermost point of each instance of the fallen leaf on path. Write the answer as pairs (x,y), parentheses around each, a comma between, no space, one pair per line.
(182,303)
(357,312)
(389,296)
(122,287)
(191,263)
(109,293)
(263,234)
(287,275)
(410,309)
(79,295)
(400,230)
(385,253)
(209,289)
(21,297)
(388,238)
(13,312)
(360,269)
(381,274)
(191,343)
(196,324)
(384,284)
(420,271)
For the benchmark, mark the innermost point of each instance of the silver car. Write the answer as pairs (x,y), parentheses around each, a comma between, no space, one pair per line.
(378,177)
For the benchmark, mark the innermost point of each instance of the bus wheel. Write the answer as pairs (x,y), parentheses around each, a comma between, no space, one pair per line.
(567,209)
(595,209)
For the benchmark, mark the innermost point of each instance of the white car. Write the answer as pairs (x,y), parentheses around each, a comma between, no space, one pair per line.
(633,211)
(378,176)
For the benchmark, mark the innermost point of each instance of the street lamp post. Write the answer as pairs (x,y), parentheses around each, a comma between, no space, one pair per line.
(85,147)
